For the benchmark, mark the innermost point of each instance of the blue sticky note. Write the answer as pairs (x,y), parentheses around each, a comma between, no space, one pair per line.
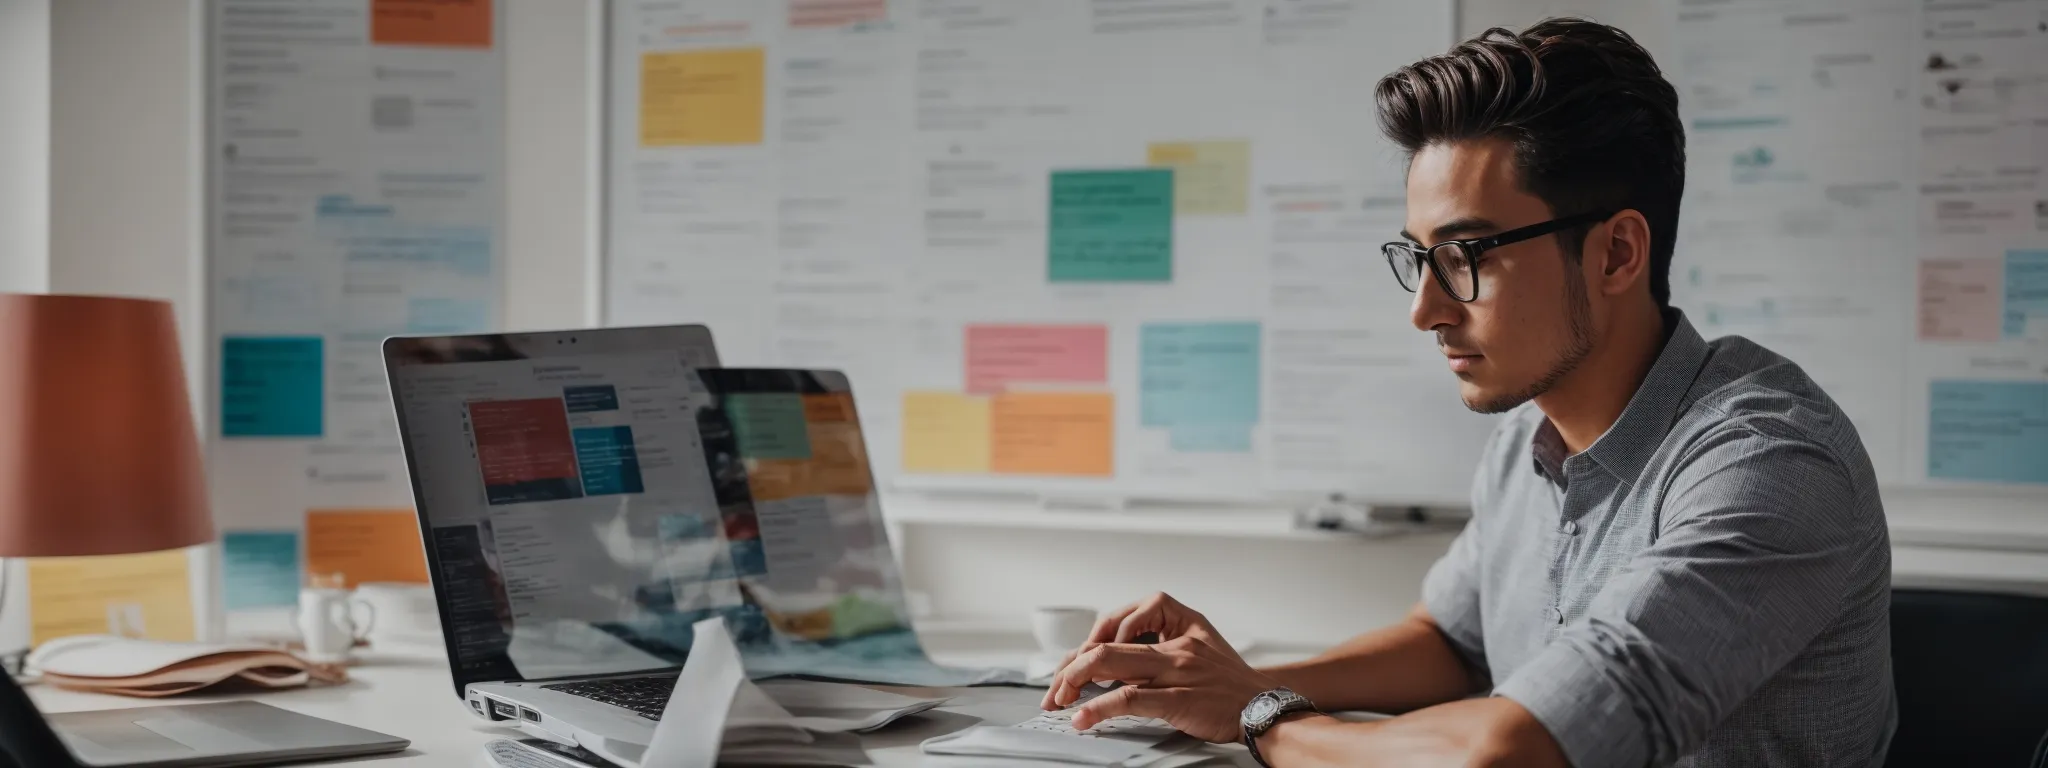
(271,386)
(1212,438)
(1994,431)
(1198,373)
(2026,289)
(259,569)
(608,460)
(1111,226)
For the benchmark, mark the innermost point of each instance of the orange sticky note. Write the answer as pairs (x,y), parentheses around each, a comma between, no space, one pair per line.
(437,23)
(1053,433)
(945,432)
(838,465)
(702,98)
(352,546)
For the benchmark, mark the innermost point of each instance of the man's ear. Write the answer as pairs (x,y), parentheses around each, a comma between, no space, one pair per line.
(1625,257)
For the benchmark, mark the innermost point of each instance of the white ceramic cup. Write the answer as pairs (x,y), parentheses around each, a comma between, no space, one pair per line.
(330,623)
(1059,629)
(405,612)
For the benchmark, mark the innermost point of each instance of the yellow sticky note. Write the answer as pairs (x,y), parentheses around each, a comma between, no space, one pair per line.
(1053,433)
(1210,178)
(701,98)
(346,547)
(147,595)
(945,432)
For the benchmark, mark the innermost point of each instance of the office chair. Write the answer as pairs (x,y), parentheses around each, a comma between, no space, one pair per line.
(1971,671)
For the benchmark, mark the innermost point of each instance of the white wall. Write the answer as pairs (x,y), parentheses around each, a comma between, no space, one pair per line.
(24,145)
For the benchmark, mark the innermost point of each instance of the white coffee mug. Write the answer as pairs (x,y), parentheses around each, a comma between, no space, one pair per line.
(405,612)
(1059,629)
(328,625)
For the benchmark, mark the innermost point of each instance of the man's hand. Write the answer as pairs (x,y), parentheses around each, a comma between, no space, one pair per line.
(1159,614)
(1187,682)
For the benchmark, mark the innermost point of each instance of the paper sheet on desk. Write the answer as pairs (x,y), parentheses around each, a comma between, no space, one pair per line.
(715,709)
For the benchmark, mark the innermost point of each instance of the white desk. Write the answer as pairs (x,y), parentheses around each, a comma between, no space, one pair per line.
(406,691)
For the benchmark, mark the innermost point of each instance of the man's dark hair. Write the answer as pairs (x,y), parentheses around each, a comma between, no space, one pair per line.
(1593,122)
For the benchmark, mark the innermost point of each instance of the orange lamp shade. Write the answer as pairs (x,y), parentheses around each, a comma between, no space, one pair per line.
(98,454)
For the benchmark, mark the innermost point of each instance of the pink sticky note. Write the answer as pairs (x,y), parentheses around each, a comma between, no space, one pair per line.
(1961,299)
(999,355)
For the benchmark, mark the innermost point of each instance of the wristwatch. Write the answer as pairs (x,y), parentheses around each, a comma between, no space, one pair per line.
(1265,710)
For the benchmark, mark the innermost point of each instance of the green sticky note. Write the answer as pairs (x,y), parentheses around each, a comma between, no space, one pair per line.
(769,425)
(1111,226)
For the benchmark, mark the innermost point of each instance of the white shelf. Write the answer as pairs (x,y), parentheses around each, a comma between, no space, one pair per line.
(1236,522)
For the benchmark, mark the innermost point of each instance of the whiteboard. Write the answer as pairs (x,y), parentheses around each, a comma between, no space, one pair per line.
(965,204)
(1077,248)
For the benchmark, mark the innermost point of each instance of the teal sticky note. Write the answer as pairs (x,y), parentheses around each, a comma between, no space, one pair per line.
(1211,438)
(1995,431)
(1198,373)
(769,425)
(259,569)
(2026,290)
(271,386)
(1111,226)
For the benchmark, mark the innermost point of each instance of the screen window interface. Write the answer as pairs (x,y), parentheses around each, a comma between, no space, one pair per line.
(585,511)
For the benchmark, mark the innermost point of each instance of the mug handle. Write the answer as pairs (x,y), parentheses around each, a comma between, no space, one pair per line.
(363,628)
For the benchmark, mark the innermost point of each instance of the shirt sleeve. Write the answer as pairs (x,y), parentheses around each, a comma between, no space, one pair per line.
(1760,539)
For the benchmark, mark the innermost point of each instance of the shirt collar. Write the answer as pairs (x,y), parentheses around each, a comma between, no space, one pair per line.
(1627,446)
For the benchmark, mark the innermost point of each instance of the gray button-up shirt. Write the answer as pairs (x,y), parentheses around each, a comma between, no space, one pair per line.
(1707,585)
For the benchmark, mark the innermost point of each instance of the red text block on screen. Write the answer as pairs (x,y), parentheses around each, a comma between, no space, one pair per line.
(1000,355)
(524,449)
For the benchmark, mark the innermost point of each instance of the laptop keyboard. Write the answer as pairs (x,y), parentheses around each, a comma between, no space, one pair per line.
(645,696)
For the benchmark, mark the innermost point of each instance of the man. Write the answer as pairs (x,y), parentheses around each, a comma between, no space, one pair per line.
(1676,555)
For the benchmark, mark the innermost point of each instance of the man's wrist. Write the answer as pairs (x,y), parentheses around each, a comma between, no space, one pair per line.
(1292,723)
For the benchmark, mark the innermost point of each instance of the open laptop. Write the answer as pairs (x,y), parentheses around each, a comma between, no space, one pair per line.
(239,733)
(587,496)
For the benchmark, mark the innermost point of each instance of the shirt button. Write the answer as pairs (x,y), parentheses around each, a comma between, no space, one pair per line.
(1571,528)
(1556,616)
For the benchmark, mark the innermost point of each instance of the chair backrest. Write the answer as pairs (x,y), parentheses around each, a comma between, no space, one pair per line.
(1971,670)
(26,740)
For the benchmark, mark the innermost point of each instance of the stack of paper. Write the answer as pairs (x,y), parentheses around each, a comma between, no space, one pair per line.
(716,715)
(154,668)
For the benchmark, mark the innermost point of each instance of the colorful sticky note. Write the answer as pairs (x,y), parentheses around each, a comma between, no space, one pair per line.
(1211,438)
(1053,433)
(608,459)
(945,432)
(1960,300)
(769,425)
(2026,290)
(259,569)
(1198,373)
(1994,431)
(439,23)
(442,316)
(1210,178)
(352,546)
(524,450)
(272,386)
(1111,226)
(998,355)
(701,98)
(147,595)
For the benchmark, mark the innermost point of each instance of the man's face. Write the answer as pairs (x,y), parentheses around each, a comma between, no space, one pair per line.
(1530,325)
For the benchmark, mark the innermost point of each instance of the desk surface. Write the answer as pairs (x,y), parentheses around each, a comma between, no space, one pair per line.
(406,691)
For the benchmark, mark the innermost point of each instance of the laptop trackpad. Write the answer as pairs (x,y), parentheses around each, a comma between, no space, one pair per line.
(200,735)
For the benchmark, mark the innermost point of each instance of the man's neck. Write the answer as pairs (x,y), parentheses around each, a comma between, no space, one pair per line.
(1587,401)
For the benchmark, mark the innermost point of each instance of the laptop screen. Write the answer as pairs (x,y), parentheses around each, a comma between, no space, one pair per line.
(585,498)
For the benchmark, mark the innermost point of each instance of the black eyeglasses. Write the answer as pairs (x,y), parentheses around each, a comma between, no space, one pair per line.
(1456,262)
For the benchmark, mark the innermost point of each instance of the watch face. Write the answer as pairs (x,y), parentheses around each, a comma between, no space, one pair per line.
(1262,708)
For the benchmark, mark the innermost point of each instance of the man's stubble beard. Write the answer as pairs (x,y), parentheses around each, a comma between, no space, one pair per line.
(1579,328)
